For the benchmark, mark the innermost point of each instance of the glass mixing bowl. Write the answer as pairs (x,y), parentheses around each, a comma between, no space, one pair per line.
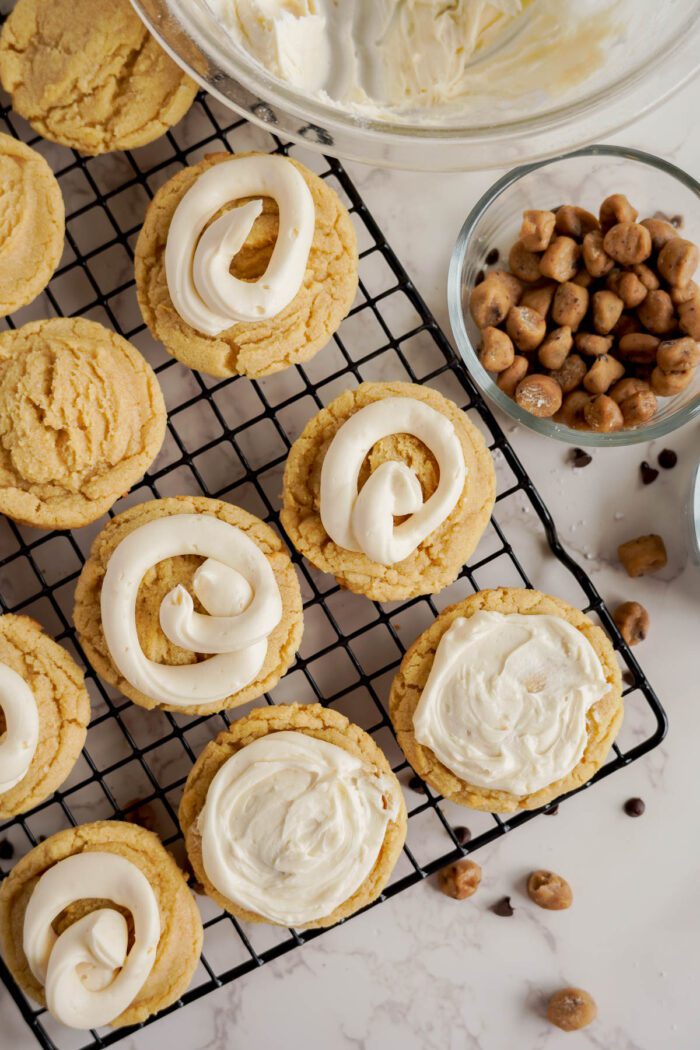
(653,48)
(584,178)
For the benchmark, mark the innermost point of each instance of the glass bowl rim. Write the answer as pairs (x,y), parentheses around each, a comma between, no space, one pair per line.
(467,351)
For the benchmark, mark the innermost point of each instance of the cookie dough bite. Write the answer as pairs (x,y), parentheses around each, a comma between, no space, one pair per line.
(293,816)
(97,924)
(82,418)
(189,604)
(508,700)
(245,265)
(32,224)
(44,713)
(89,75)
(390,489)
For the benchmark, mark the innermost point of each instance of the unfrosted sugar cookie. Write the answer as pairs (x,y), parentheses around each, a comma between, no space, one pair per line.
(293,816)
(88,74)
(390,489)
(82,418)
(508,700)
(189,604)
(246,264)
(32,224)
(44,713)
(98,924)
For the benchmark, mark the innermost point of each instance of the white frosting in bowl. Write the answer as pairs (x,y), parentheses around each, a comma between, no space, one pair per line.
(506,699)
(292,826)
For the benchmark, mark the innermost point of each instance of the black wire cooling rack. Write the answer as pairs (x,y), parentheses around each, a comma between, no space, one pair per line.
(230,440)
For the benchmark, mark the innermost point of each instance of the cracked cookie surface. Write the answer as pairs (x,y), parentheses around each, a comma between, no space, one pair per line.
(603,719)
(180,941)
(437,561)
(89,75)
(283,642)
(324,724)
(255,348)
(62,703)
(82,418)
(32,224)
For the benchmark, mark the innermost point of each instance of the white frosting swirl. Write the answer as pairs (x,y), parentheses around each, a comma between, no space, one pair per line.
(198,256)
(505,703)
(364,521)
(292,826)
(19,742)
(88,972)
(237,587)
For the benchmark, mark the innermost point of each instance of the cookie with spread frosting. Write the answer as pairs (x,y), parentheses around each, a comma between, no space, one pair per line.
(88,74)
(268,292)
(508,700)
(390,488)
(82,418)
(293,816)
(33,224)
(189,604)
(44,713)
(124,950)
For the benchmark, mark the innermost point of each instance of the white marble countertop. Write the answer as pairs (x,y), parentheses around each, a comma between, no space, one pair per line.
(423,971)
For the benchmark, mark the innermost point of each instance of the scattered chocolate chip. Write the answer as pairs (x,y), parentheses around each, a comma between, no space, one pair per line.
(416,784)
(552,811)
(492,257)
(503,907)
(677,221)
(479,278)
(7,850)
(579,458)
(634,807)
(462,834)
(648,473)
(668,459)
(628,678)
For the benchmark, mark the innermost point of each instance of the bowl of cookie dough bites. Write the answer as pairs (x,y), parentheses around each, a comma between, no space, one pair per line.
(573,299)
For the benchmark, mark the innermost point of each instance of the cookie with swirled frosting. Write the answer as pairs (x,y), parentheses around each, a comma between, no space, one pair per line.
(508,700)
(32,224)
(245,264)
(44,713)
(88,74)
(189,604)
(82,418)
(389,488)
(98,924)
(293,816)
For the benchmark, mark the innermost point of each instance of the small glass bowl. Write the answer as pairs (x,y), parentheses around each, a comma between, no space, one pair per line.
(585,178)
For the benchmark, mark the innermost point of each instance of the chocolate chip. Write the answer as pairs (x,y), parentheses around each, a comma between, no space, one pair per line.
(479,278)
(492,257)
(462,834)
(579,458)
(677,221)
(503,907)
(552,811)
(628,678)
(416,784)
(634,807)
(648,473)
(668,459)
(7,850)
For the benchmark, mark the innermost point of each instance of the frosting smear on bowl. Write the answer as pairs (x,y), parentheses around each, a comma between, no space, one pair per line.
(374,53)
